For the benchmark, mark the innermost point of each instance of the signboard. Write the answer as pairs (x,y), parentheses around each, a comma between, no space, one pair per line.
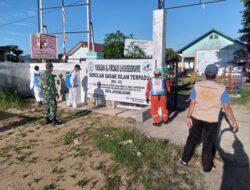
(119,80)
(43,46)
(222,58)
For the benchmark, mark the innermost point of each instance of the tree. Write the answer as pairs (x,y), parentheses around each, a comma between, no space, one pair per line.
(134,51)
(114,45)
(171,56)
(245,31)
(13,52)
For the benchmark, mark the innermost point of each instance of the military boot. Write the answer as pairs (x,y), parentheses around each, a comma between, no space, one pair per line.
(47,121)
(40,104)
(55,122)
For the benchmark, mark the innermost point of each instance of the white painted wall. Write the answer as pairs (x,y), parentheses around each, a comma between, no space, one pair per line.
(17,75)
(222,58)
(80,53)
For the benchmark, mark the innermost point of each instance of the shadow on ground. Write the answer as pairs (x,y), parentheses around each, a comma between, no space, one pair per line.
(78,114)
(19,120)
(236,173)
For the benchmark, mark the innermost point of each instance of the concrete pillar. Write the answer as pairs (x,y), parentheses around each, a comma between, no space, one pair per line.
(159,37)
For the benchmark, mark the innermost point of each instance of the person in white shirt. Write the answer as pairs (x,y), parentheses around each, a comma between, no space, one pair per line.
(75,83)
(35,85)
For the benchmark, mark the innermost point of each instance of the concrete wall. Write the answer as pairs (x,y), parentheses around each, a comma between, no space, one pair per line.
(15,75)
(80,53)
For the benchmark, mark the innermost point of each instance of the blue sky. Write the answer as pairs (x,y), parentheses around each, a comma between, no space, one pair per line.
(129,16)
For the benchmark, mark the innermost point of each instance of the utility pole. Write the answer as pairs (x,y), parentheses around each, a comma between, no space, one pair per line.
(89,34)
(161,4)
(40,14)
(64,32)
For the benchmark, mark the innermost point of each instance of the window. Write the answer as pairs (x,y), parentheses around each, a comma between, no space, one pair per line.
(211,37)
(216,36)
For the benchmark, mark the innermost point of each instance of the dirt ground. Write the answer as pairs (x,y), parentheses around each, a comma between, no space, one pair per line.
(34,156)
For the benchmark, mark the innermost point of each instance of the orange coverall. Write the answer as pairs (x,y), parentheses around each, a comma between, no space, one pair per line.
(158,100)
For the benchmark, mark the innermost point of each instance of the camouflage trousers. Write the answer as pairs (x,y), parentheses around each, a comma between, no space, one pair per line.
(50,108)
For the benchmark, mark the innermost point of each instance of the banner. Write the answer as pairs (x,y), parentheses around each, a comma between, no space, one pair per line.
(43,46)
(119,80)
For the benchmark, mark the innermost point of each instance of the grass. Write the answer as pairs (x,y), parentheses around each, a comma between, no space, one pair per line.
(156,168)
(9,98)
(49,187)
(69,137)
(113,183)
(83,182)
(244,96)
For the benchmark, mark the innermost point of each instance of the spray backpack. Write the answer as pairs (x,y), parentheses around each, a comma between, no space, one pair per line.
(68,85)
(36,78)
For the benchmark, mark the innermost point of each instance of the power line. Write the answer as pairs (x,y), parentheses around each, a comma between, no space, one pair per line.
(73,32)
(29,17)
(59,7)
(194,4)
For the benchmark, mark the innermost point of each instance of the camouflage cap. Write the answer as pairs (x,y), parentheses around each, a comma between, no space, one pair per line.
(49,65)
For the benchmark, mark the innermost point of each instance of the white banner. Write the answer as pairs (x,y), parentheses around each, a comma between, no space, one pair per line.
(119,80)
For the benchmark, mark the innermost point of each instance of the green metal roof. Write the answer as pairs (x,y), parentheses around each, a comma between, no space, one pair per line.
(207,34)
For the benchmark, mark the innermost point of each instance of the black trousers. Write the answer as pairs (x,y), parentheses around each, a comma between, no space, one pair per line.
(206,133)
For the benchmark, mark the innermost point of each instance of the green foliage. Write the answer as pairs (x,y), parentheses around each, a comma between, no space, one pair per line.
(239,55)
(13,52)
(10,98)
(244,96)
(245,31)
(114,45)
(171,56)
(155,167)
(134,51)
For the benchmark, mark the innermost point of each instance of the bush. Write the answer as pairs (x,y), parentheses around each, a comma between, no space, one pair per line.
(244,96)
(10,98)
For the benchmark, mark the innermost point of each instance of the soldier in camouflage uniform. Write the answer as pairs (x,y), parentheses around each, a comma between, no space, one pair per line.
(50,94)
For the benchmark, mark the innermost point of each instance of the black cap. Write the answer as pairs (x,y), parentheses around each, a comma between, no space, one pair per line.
(211,69)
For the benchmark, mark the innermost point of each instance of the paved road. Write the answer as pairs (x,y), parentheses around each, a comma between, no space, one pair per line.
(176,131)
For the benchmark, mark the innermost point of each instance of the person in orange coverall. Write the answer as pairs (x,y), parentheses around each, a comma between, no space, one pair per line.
(157,89)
